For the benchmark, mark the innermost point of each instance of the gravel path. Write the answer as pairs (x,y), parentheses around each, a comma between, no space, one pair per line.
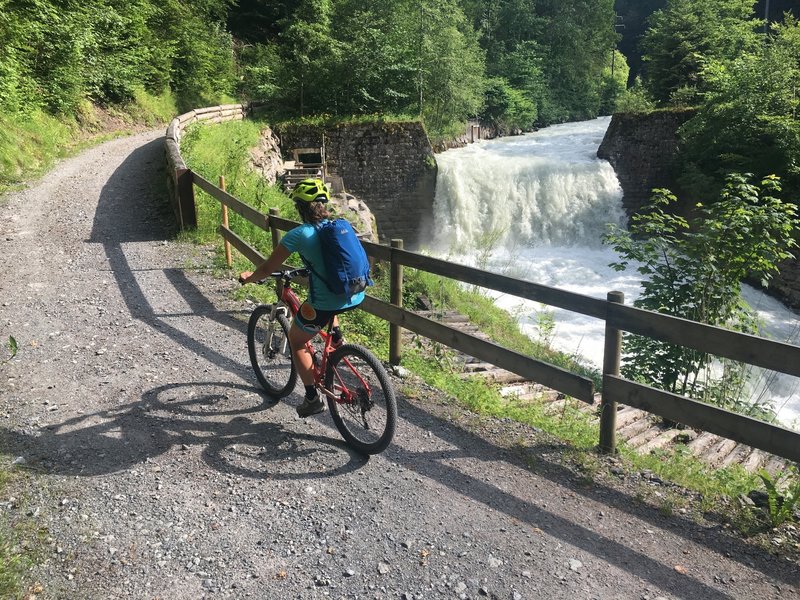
(160,471)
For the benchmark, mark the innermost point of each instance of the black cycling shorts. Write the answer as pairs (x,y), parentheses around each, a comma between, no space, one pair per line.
(312,320)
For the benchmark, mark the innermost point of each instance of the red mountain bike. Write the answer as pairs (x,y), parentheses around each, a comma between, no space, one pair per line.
(360,397)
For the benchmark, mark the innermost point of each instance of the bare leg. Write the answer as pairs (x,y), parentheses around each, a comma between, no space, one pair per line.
(302,358)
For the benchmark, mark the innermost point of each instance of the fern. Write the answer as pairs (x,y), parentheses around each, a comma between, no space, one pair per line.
(783,494)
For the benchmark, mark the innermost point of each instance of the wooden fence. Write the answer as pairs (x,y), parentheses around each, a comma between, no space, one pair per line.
(749,349)
(179,179)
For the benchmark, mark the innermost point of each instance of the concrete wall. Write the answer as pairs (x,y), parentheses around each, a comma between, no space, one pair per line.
(390,166)
(642,149)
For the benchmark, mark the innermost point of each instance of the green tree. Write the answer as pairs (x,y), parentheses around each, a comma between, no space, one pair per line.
(686,35)
(614,82)
(115,51)
(16,86)
(402,57)
(507,108)
(451,68)
(635,99)
(259,69)
(53,51)
(749,119)
(580,38)
(515,22)
(694,269)
(309,50)
(202,68)
(510,32)
(377,72)
(521,66)
(553,52)
(57,53)
(486,17)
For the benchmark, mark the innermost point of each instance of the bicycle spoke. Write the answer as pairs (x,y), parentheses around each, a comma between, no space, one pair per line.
(364,410)
(270,353)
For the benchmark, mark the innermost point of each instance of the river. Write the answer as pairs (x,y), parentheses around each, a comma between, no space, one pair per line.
(535,207)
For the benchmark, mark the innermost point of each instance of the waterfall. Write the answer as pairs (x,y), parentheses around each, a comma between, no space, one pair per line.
(546,188)
(535,207)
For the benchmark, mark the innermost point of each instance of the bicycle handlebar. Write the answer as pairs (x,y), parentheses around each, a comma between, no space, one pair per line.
(287,275)
(290,274)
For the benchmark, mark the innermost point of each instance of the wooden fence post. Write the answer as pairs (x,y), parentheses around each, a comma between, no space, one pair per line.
(276,236)
(228,259)
(186,206)
(396,298)
(611,363)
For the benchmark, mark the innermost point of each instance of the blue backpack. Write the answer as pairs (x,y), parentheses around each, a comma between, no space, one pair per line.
(346,263)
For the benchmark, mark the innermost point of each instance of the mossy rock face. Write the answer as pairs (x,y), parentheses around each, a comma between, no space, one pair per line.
(358,213)
(265,158)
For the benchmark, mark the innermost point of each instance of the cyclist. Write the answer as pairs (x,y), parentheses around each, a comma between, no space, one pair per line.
(310,197)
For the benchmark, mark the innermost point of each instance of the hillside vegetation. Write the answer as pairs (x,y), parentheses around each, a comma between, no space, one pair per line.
(513,64)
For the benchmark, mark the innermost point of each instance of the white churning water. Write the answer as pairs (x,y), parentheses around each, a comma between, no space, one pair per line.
(537,205)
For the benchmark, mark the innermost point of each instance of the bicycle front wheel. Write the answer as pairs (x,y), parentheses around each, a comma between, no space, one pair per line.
(365,409)
(270,353)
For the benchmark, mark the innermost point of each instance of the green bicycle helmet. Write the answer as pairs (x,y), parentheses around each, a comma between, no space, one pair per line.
(311,190)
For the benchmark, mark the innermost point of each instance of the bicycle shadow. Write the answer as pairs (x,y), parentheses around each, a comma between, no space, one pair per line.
(217,416)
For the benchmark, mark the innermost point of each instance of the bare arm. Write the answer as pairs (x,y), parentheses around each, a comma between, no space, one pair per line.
(272,264)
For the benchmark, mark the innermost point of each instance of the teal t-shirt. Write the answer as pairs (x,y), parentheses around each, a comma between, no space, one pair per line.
(304,240)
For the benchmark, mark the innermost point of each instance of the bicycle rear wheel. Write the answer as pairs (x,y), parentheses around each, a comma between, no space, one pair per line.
(270,353)
(365,411)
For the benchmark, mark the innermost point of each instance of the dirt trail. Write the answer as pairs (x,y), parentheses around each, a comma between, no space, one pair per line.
(160,470)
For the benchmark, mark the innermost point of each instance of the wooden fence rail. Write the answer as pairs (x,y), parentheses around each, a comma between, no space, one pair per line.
(741,347)
(745,348)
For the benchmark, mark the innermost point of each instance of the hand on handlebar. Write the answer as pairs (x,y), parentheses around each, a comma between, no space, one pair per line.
(288,273)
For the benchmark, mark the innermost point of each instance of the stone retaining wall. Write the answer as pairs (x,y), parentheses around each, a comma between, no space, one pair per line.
(642,149)
(390,166)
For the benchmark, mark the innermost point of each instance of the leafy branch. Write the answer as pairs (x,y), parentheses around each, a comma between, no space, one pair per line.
(694,270)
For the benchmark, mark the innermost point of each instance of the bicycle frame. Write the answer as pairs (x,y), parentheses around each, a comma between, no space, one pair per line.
(288,300)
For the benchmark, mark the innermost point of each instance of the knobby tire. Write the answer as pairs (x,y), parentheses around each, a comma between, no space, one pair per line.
(273,364)
(347,366)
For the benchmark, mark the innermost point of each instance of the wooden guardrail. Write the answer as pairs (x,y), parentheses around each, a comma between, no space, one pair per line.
(179,180)
(741,347)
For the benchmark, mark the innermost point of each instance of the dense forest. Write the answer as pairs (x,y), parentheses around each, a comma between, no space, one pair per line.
(514,64)
(633,15)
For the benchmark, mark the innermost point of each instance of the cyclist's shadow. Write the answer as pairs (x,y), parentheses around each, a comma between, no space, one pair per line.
(176,418)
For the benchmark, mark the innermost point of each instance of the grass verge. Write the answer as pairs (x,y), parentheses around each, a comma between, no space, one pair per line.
(30,142)
(224,150)
(18,539)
